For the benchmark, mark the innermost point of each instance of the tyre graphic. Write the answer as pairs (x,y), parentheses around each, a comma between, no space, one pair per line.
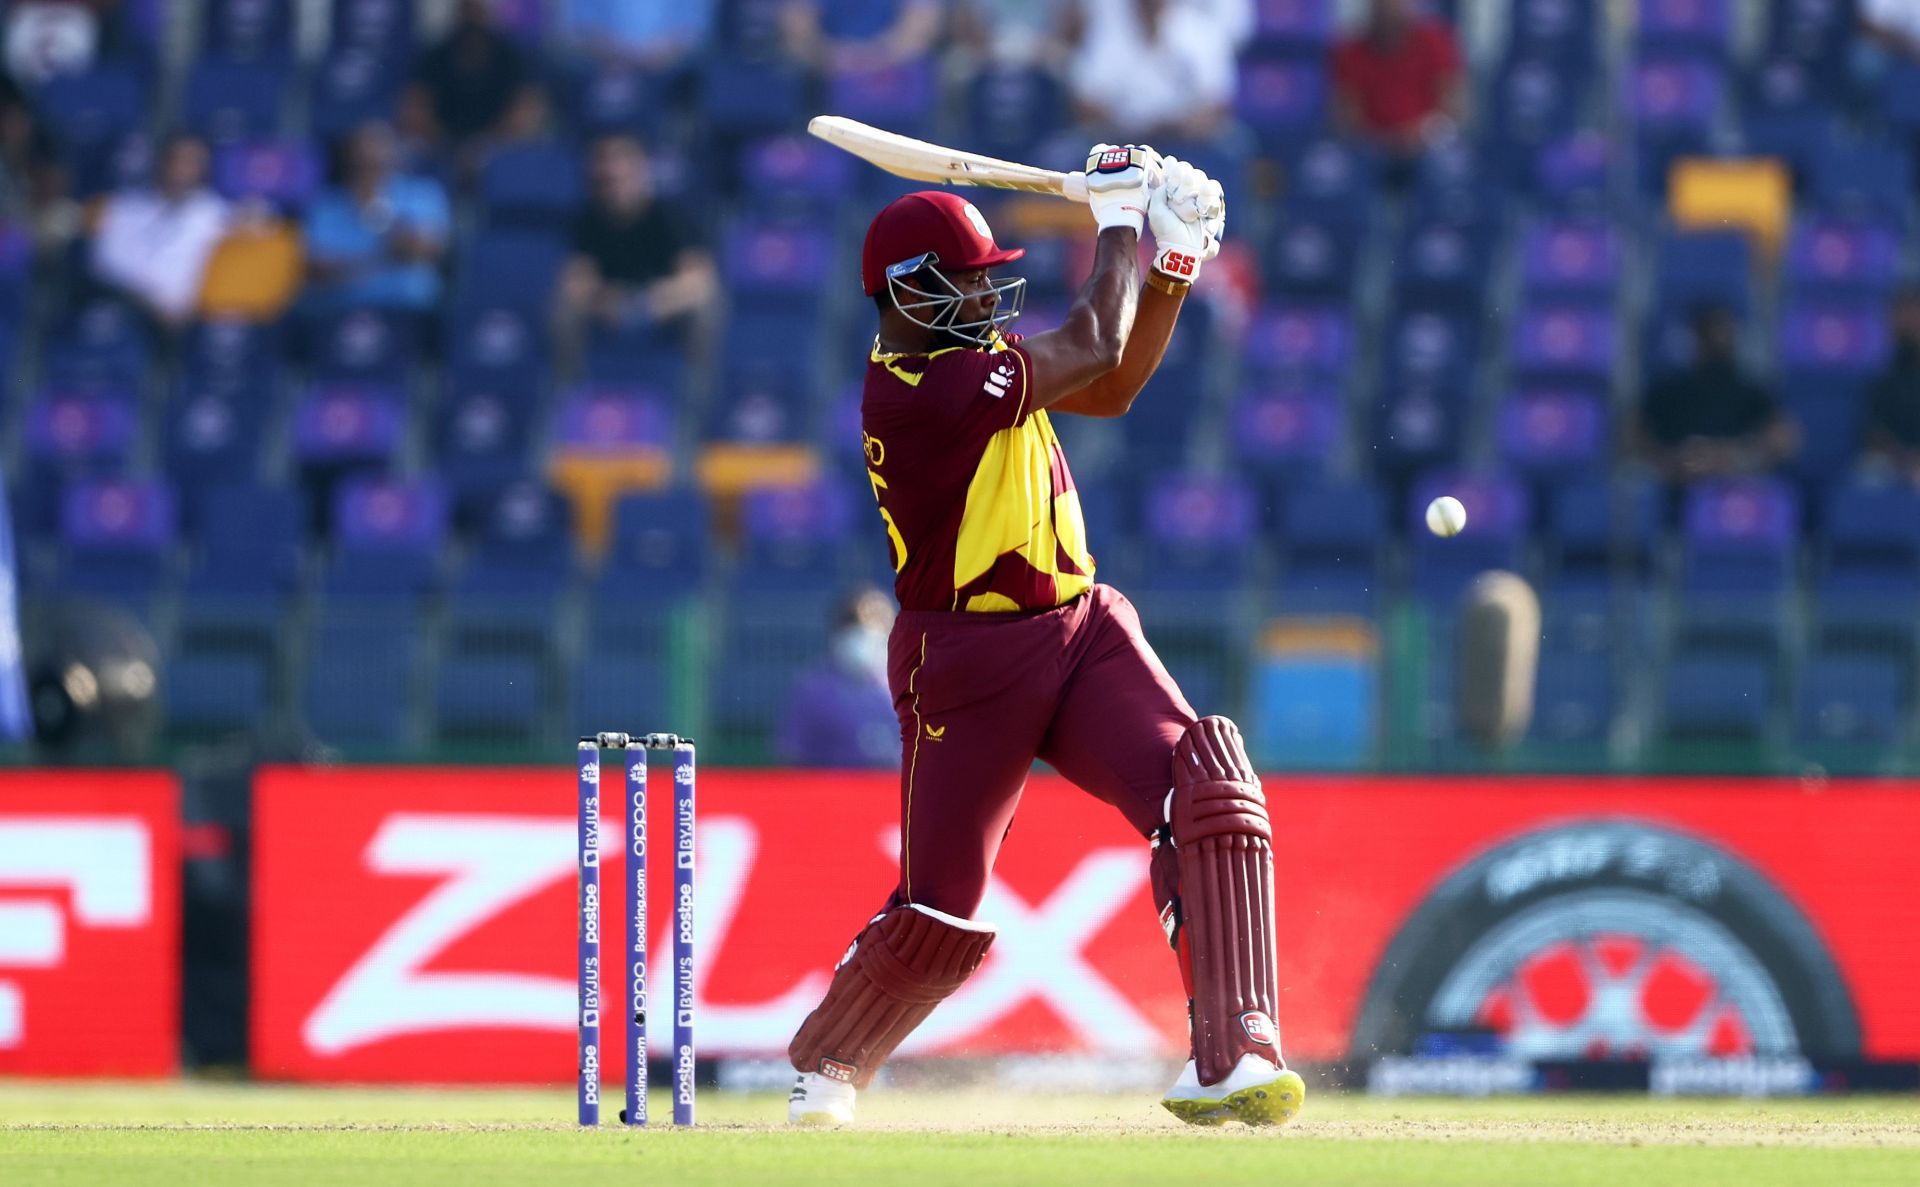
(1610,939)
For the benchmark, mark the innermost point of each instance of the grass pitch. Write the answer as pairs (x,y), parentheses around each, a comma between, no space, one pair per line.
(254,1136)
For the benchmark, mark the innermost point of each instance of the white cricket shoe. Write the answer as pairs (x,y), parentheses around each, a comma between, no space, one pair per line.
(1255,1093)
(816,1100)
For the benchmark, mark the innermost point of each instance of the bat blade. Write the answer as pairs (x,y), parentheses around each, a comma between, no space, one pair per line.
(918,160)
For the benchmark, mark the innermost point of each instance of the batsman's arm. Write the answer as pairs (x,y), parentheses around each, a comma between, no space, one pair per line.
(1093,340)
(1113,393)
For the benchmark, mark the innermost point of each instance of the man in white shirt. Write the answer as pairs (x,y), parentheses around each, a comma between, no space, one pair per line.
(1153,69)
(152,245)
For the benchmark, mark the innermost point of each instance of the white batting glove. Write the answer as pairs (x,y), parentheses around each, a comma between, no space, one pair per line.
(1117,180)
(1188,211)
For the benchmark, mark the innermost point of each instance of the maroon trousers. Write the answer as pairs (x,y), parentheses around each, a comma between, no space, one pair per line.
(980,696)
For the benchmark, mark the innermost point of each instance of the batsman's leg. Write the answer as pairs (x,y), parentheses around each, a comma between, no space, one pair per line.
(1224,930)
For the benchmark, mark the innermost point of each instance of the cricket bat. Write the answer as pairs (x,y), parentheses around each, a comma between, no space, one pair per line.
(903,156)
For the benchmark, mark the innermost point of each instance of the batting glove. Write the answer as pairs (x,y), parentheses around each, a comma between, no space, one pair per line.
(1117,180)
(1188,211)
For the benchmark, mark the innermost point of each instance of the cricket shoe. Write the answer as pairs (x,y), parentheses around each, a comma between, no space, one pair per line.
(1254,1093)
(816,1100)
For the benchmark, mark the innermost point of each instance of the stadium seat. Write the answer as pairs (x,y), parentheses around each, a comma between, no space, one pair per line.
(1416,424)
(101,345)
(1552,31)
(213,438)
(1856,700)
(796,178)
(1553,435)
(1499,512)
(774,263)
(385,27)
(119,537)
(794,538)
(1199,536)
(80,433)
(365,346)
(536,184)
(1314,261)
(1716,699)
(1573,174)
(211,695)
(284,173)
(1828,257)
(1442,264)
(350,86)
(387,540)
(1600,533)
(1698,266)
(1563,345)
(502,347)
(1571,262)
(614,96)
(1012,110)
(335,426)
(1533,102)
(1685,28)
(1832,337)
(662,547)
(1333,181)
(1863,179)
(1329,539)
(228,101)
(1298,343)
(490,699)
(359,686)
(744,98)
(1280,98)
(1574,699)
(248,30)
(510,267)
(480,444)
(1287,435)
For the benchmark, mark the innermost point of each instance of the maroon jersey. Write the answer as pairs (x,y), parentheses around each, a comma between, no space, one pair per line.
(979,506)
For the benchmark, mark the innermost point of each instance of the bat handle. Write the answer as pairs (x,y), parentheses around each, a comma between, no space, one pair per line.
(1073,186)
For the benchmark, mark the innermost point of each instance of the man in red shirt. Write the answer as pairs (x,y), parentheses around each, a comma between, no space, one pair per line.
(1006,650)
(1399,82)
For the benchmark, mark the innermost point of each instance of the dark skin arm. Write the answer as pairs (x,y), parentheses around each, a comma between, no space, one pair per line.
(1113,393)
(1092,343)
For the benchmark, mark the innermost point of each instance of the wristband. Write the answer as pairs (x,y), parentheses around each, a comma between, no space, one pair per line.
(1157,279)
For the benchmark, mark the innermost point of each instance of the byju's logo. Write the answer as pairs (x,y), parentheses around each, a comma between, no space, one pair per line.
(58,873)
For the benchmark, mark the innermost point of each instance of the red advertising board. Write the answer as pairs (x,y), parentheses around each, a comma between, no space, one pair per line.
(419,924)
(89,923)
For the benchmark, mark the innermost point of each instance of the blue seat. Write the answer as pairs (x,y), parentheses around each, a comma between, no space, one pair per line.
(249,537)
(1416,425)
(1831,411)
(387,540)
(1199,535)
(1574,698)
(1553,31)
(614,96)
(1286,435)
(1864,179)
(1873,542)
(491,698)
(229,100)
(1433,346)
(902,96)
(534,184)
(773,263)
(510,267)
(523,544)
(1685,28)
(218,693)
(365,346)
(1699,266)
(1329,538)
(1442,263)
(1012,110)
(615,685)
(1533,102)
(661,548)
(1331,181)
(1280,98)
(361,669)
(744,98)
(1573,174)
(1598,534)
(248,30)
(1718,699)
(1553,436)
(1858,700)
(795,538)
(1564,345)
(102,346)
(1740,537)
(1314,261)
(385,27)
(497,345)
(1298,343)
(228,355)
(351,86)
(480,445)
(213,439)
(89,111)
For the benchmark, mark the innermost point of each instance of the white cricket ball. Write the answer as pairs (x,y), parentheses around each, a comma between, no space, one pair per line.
(1446,516)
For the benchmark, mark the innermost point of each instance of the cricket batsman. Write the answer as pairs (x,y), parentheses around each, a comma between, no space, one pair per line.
(1007,650)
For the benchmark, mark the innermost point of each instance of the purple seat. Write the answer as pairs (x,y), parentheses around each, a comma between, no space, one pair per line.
(758,411)
(1672,97)
(335,425)
(1564,344)
(794,538)
(1568,260)
(1280,98)
(83,432)
(365,346)
(1499,513)
(614,419)
(1551,434)
(119,515)
(388,538)
(761,261)
(796,175)
(1291,432)
(1740,536)
(1842,258)
(1199,534)
(1573,172)
(119,536)
(1299,341)
(1836,337)
(1701,28)
(899,97)
(283,172)
(1295,26)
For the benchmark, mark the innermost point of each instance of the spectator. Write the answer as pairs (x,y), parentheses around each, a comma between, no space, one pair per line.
(1399,82)
(376,239)
(152,245)
(29,157)
(1893,403)
(840,713)
(657,37)
(472,78)
(1893,25)
(1152,70)
(849,36)
(1710,419)
(636,262)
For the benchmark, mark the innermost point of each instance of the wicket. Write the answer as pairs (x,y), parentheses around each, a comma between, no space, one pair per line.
(633,818)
